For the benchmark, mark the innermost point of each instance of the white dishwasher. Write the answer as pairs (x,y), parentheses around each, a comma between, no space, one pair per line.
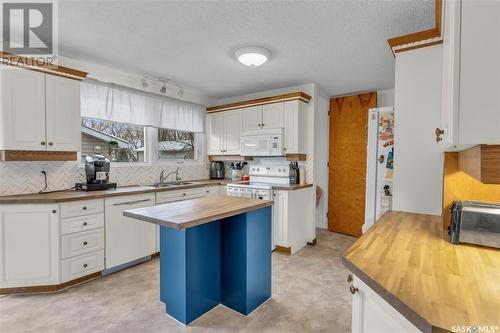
(127,239)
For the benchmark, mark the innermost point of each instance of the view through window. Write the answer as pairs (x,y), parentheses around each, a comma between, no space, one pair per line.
(116,141)
(175,145)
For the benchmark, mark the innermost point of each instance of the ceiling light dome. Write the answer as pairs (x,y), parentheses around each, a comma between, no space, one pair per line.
(252,56)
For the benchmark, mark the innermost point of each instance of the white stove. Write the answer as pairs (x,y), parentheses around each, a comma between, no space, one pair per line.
(262,179)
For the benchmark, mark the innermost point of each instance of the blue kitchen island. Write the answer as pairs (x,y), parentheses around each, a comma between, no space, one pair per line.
(213,250)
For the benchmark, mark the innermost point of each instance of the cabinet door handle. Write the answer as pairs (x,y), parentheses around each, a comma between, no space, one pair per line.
(54,211)
(349,278)
(439,132)
(284,149)
(85,243)
(51,144)
(84,207)
(84,265)
(262,125)
(84,224)
(353,289)
(259,125)
(130,202)
(42,143)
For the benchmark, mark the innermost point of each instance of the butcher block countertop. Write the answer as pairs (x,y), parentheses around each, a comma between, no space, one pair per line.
(190,213)
(406,259)
(72,195)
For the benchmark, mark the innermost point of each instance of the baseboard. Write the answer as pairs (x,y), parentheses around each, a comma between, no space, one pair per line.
(283,249)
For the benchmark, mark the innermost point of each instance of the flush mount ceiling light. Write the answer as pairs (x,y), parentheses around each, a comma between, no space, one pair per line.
(252,56)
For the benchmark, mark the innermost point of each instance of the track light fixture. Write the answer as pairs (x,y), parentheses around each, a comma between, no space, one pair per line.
(161,82)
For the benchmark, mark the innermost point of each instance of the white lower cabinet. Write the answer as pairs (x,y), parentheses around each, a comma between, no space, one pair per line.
(292,222)
(128,239)
(371,313)
(74,268)
(29,241)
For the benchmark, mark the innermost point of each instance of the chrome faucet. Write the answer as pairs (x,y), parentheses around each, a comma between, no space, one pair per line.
(177,175)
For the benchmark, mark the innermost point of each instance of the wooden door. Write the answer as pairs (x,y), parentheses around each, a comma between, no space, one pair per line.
(347,162)
(63,113)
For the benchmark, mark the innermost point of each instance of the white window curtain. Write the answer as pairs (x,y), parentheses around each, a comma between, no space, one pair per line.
(109,101)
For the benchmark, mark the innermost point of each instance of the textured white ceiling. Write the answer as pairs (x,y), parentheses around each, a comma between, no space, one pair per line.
(340,45)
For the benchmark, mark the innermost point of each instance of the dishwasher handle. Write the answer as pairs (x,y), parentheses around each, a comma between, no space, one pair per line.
(131,202)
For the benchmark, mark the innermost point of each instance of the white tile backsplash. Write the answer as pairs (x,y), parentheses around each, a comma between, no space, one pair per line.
(26,177)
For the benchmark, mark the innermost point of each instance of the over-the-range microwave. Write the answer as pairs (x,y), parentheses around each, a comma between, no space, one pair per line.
(263,142)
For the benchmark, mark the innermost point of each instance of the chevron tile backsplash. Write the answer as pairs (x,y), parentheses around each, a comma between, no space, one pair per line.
(26,177)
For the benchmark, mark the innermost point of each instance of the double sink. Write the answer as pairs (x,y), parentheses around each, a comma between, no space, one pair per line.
(171,184)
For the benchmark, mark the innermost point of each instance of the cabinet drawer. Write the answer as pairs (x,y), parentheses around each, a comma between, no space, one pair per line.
(80,208)
(170,196)
(82,242)
(212,190)
(79,266)
(82,223)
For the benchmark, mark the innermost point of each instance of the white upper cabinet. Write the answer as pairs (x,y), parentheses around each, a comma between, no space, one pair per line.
(272,115)
(215,132)
(63,113)
(38,111)
(251,118)
(232,130)
(471,74)
(295,124)
(223,133)
(29,239)
(22,114)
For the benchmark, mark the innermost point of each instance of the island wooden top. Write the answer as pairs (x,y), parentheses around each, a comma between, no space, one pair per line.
(72,195)
(406,259)
(190,213)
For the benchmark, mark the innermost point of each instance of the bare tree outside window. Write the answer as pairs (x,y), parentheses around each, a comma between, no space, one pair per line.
(117,141)
(175,145)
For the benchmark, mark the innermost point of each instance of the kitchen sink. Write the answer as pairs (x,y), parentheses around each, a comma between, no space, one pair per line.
(171,184)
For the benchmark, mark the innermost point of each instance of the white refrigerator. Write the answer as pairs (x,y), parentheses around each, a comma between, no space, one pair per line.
(380,164)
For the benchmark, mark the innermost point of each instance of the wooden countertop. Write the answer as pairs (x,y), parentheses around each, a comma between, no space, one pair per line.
(433,283)
(190,213)
(72,195)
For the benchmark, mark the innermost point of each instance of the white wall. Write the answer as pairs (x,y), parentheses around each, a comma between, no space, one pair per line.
(418,168)
(385,98)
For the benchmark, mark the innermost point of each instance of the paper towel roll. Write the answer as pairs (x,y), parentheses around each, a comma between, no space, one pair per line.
(302,175)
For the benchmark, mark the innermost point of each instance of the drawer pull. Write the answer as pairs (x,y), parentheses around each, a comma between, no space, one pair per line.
(84,208)
(349,278)
(54,211)
(84,224)
(353,289)
(130,202)
(85,243)
(84,265)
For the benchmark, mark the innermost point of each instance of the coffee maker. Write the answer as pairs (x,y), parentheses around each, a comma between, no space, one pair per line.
(97,174)
(217,170)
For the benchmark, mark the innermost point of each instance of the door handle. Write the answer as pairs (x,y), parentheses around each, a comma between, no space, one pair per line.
(439,132)
(130,202)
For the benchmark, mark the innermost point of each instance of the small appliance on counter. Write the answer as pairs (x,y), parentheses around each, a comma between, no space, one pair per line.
(476,223)
(217,170)
(97,174)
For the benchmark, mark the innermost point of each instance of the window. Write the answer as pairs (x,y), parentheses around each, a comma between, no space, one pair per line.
(175,145)
(116,141)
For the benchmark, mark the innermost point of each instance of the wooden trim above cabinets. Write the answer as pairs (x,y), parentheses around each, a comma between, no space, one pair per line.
(261,101)
(229,158)
(37,155)
(423,38)
(31,64)
(481,162)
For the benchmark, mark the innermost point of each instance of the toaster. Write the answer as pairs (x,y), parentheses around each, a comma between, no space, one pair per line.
(475,222)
